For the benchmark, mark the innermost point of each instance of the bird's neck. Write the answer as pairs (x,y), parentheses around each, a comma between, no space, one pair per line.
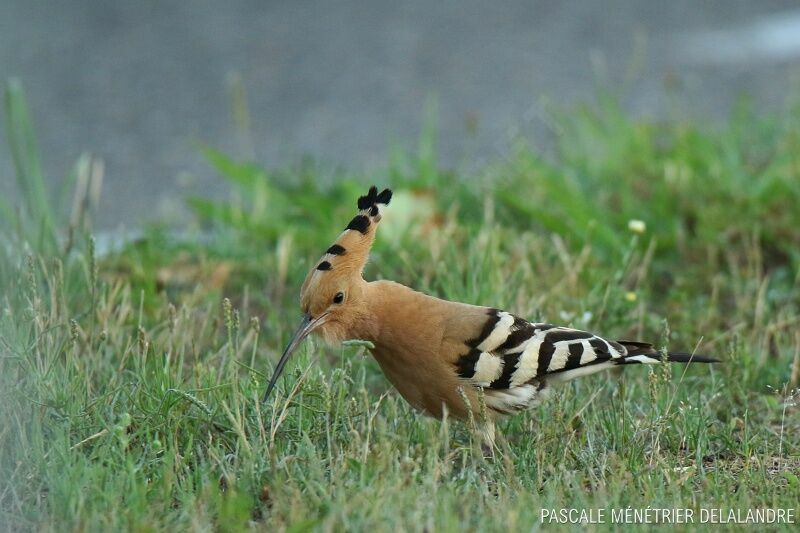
(391,309)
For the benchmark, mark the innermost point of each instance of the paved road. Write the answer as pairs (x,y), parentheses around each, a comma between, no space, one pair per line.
(137,82)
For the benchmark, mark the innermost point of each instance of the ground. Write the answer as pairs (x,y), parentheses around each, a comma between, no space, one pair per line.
(138,83)
(132,375)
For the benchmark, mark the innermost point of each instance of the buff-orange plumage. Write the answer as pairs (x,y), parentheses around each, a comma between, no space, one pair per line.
(442,355)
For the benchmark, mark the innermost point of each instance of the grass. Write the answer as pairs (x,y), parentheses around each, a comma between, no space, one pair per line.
(131,382)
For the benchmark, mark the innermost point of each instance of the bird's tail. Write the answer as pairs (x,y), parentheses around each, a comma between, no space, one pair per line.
(637,353)
(644,353)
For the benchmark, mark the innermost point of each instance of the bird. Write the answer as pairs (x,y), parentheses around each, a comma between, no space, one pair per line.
(469,361)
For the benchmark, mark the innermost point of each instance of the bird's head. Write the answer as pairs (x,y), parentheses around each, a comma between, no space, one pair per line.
(332,296)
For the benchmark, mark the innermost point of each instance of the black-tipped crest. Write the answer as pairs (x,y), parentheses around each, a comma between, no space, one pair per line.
(359,223)
(350,252)
(369,200)
(372,198)
(384,197)
(336,249)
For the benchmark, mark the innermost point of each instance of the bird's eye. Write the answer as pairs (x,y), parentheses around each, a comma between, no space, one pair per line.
(339,298)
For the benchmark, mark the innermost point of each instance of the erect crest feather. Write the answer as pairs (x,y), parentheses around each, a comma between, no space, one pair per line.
(349,254)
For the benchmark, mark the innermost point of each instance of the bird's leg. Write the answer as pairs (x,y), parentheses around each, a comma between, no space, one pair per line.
(485,425)
(481,424)
(488,443)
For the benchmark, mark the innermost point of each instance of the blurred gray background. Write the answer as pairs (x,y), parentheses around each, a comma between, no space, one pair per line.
(136,83)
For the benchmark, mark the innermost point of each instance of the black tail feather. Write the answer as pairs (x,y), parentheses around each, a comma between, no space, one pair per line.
(637,349)
(672,357)
(686,357)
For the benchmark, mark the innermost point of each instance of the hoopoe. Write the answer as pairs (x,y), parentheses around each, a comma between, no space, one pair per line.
(441,355)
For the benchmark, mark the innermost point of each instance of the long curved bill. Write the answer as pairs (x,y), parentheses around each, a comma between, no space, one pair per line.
(306,326)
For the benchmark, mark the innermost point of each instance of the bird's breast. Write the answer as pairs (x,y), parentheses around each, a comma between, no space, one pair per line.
(425,381)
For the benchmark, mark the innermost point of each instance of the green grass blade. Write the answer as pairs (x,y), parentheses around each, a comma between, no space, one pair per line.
(27,165)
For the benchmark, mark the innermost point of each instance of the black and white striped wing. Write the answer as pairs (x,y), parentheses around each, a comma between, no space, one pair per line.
(513,360)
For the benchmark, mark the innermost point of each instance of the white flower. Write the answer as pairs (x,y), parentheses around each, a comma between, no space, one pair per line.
(637,226)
